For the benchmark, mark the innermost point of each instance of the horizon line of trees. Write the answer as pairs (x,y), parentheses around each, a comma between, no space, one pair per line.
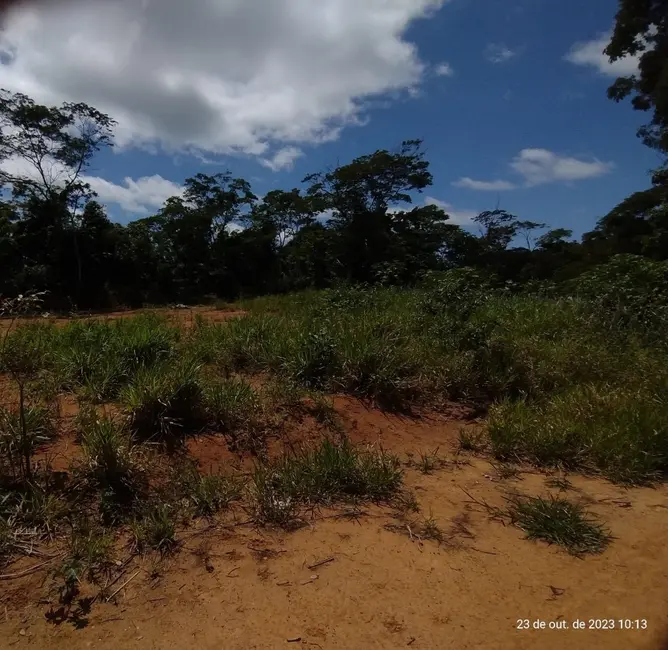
(55,237)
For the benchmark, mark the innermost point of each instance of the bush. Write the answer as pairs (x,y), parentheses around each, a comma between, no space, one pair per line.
(622,432)
(458,291)
(630,290)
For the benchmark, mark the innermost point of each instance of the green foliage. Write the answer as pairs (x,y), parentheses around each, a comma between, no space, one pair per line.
(208,493)
(231,404)
(155,529)
(110,461)
(89,554)
(458,291)
(641,29)
(622,431)
(165,402)
(559,521)
(631,291)
(322,475)
(21,432)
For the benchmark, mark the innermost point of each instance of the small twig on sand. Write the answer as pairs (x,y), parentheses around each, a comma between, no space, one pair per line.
(317,564)
(132,577)
(229,574)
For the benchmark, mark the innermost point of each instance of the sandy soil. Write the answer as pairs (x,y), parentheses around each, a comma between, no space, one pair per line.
(234,586)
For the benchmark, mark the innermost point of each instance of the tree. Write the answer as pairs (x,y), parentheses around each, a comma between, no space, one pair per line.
(50,148)
(641,28)
(360,195)
(554,239)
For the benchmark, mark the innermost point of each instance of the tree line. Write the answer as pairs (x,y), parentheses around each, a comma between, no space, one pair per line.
(355,223)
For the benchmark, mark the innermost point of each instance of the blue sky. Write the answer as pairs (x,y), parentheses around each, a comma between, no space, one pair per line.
(509,97)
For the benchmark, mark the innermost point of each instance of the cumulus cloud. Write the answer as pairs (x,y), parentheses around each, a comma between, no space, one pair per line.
(141,196)
(457,217)
(217,75)
(484,186)
(539,166)
(444,70)
(498,53)
(590,53)
(283,159)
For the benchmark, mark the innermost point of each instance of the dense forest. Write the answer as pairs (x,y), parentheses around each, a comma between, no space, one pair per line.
(351,224)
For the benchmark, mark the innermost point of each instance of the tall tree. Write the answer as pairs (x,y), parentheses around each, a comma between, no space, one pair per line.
(360,196)
(641,29)
(46,151)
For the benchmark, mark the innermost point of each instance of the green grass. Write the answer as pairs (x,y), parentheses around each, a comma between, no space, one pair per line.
(155,529)
(622,432)
(208,493)
(165,402)
(321,476)
(558,521)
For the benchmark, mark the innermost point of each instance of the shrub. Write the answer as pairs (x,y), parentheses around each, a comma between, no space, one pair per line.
(630,290)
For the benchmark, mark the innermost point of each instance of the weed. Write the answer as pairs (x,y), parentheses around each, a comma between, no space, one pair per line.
(89,554)
(430,529)
(622,432)
(429,461)
(559,483)
(209,493)
(558,521)
(22,430)
(231,404)
(107,449)
(323,475)
(155,530)
(472,440)
(165,402)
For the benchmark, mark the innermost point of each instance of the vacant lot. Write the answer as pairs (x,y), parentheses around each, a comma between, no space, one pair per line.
(344,469)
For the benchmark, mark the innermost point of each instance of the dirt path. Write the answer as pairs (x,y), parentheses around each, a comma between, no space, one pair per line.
(238,588)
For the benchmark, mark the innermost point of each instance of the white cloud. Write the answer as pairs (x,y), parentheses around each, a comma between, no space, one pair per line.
(484,186)
(590,53)
(140,196)
(539,166)
(215,76)
(457,217)
(498,53)
(444,70)
(283,159)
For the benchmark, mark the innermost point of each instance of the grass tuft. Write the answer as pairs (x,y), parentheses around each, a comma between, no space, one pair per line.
(558,521)
(155,530)
(322,475)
